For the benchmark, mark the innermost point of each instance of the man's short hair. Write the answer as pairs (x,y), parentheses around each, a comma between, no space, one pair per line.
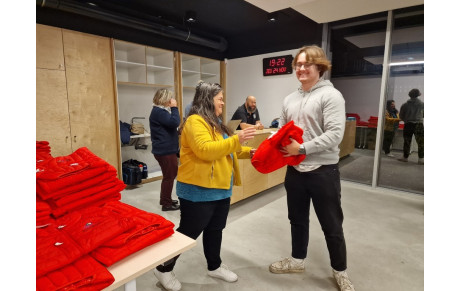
(414,93)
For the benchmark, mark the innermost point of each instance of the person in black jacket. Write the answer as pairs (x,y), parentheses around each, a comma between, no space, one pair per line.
(164,121)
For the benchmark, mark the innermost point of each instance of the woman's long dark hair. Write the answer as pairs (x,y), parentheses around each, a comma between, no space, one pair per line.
(389,109)
(203,105)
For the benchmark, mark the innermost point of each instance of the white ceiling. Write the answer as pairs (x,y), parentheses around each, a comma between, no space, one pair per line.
(323,11)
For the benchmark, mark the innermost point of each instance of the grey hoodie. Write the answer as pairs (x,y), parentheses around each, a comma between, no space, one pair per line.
(412,111)
(320,112)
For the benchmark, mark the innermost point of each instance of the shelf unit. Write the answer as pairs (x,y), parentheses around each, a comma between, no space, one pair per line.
(141,71)
(194,69)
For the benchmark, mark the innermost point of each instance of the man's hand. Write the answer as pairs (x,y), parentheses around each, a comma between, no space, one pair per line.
(259,125)
(291,149)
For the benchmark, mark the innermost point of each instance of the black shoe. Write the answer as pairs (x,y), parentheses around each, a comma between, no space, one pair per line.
(174,202)
(170,208)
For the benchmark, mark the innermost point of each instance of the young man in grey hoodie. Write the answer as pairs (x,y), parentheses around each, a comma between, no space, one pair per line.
(319,109)
(412,114)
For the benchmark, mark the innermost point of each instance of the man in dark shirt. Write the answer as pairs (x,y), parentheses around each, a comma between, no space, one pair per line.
(248,114)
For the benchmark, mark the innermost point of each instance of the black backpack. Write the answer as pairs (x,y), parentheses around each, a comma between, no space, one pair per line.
(134,171)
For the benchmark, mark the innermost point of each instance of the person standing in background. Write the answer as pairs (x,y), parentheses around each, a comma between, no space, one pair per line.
(249,114)
(319,109)
(391,125)
(208,170)
(412,114)
(164,120)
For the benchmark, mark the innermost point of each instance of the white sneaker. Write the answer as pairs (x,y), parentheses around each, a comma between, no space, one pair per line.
(343,281)
(287,265)
(390,155)
(168,280)
(223,273)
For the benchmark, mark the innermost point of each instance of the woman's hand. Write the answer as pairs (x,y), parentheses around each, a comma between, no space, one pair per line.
(246,134)
(252,152)
(172,103)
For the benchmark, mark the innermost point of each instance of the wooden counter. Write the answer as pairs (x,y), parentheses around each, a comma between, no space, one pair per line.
(254,182)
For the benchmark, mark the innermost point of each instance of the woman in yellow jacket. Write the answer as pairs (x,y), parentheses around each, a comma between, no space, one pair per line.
(208,169)
(391,125)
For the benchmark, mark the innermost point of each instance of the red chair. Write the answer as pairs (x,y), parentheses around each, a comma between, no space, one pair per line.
(358,119)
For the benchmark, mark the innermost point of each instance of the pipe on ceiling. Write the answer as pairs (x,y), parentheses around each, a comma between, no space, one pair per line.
(219,43)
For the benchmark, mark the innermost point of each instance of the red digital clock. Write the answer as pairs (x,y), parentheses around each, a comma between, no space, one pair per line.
(277,65)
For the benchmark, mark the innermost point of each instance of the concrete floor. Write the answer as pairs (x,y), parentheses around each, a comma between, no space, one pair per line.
(384,231)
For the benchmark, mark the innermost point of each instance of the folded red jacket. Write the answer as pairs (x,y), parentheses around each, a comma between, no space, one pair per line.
(83,274)
(61,172)
(76,234)
(269,158)
(94,200)
(54,249)
(47,189)
(112,184)
(102,178)
(149,228)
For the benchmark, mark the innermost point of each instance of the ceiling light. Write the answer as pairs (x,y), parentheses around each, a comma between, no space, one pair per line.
(407,63)
(190,16)
(272,17)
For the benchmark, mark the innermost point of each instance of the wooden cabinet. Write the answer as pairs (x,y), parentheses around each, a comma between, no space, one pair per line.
(76,104)
(254,182)
(50,50)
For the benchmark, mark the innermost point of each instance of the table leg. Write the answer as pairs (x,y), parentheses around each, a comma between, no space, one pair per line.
(131,285)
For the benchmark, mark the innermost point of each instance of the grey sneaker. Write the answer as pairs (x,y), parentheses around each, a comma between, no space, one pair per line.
(403,160)
(287,265)
(343,281)
(223,273)
(168,280)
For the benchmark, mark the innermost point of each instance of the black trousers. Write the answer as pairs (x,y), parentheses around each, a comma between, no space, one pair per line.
(417,130)
(388,137)
(209,218)
(322,187)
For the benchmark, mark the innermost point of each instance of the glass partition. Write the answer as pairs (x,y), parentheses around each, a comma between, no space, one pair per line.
(406,73)
(357,47)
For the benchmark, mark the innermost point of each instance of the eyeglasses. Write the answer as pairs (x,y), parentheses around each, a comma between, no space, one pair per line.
(298,66)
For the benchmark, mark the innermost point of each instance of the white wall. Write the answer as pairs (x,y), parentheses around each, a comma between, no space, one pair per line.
(245,77)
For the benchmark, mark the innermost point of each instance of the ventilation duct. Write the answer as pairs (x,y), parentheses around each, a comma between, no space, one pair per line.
(218,43)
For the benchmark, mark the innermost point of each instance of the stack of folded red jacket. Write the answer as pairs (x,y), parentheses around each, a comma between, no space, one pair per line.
(76,181)
(83,274)
(43,151)
(268,156)
(43,213)
(62,246)
(149,228)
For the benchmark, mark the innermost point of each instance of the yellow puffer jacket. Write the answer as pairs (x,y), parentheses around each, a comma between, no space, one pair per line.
(390,122)
(205,156)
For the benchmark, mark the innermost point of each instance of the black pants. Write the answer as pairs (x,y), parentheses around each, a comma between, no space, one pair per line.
(388,137)
(417,130)
(322,187)
(209,218)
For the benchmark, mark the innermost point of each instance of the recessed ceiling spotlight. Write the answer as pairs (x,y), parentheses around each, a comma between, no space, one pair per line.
(91,3)
(190,16)
(272,17)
